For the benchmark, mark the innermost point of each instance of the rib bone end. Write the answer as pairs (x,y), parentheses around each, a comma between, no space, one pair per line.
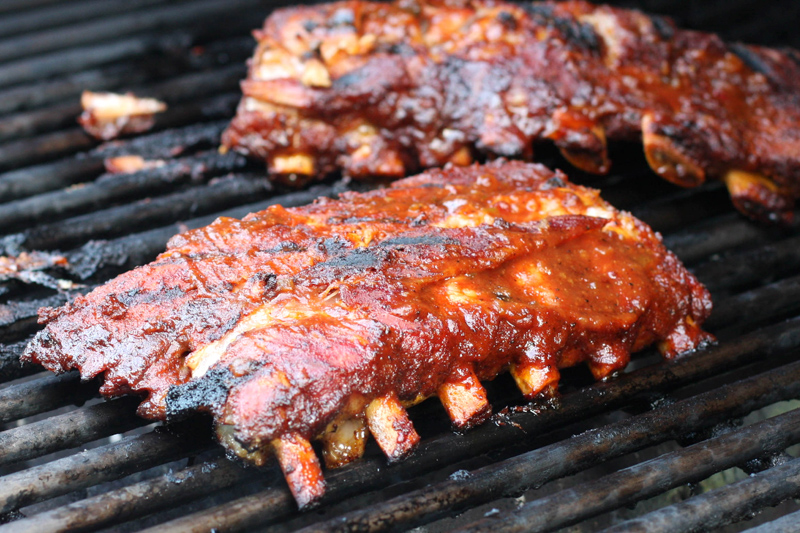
(389,423)
(759,197)
(465,401)
(533,379)
(301,468)
(667,159)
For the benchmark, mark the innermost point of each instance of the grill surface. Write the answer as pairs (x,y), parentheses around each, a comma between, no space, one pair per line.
(720,426)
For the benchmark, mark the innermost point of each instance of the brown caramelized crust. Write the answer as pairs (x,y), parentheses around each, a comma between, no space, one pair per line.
(328,320)
(385,89)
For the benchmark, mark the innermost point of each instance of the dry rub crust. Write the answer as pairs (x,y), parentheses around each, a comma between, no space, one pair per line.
(328,320)
(378,89)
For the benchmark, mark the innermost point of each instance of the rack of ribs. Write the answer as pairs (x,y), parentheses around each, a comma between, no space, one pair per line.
(386,89)
(327,321)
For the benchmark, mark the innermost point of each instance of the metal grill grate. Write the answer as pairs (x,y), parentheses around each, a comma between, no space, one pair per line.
(71,461)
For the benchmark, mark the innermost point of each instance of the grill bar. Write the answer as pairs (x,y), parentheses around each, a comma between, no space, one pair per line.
(82,58)
(724,233)
(137,499)
(165,144)
(115,187)
(44,147)
(97,465)
(68,430)
(198,110)
(26,97)
(126,76)
(722,506)
(42,178)
(196,84)
(40,120)
(64,14)
(751,266)
(650,478)
(152,20)
(193,61)
(15,5)
(67,61)
(785,524)
(41,395)
(683,208)
(220,194)
(372,473)
(749,308)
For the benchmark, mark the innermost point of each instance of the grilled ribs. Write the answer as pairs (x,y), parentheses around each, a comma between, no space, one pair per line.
(328,320)
(384,89)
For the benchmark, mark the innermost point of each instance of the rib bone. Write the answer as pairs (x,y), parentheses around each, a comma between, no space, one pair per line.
(300,467)
(754,193)
(465,401)
(389,423)
(666,158)
(533,379)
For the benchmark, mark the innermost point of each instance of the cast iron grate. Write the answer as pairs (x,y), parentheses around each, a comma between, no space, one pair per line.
(70,461)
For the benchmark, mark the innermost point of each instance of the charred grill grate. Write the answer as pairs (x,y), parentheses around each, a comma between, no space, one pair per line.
(70,461)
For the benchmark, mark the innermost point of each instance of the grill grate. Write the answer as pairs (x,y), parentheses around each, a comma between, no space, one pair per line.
(71,461)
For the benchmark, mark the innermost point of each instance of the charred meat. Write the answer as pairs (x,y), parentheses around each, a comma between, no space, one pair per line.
(327,321)
(33,267)
(385,89)
(106,116)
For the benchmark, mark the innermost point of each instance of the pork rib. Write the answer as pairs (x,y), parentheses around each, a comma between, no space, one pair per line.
(328,320)
(385,89)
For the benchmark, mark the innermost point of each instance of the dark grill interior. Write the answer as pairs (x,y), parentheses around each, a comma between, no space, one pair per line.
(718,426)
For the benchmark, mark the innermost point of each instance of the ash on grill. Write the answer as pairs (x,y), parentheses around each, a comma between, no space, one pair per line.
(692,442)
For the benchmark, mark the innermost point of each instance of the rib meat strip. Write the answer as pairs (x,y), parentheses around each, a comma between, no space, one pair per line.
(385,89)
(327,321)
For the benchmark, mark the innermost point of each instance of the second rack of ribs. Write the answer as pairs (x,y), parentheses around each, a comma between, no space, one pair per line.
(384,89)
(328,320)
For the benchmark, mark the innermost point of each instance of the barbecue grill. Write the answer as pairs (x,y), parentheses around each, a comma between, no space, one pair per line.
(696,444)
